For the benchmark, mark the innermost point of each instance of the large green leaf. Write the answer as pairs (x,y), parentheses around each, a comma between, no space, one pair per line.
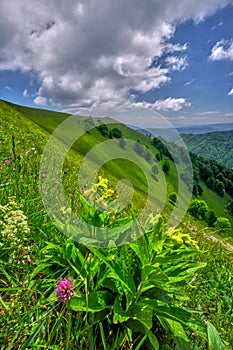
(158,235)
(153,276)
(142,249)
(214,340)
(142,316)
(118,270)
(170,312)
(178,332)
(92,302)
(142,313)
(119,315)
(181,271)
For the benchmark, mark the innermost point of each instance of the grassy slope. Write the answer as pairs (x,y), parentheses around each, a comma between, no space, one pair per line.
(49,120)
(214,145)
(119,169)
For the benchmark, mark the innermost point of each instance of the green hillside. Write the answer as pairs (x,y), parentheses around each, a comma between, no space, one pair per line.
(214,145)
(168,289)
(48,121)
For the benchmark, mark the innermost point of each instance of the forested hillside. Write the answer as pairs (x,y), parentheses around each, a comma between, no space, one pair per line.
(214,145)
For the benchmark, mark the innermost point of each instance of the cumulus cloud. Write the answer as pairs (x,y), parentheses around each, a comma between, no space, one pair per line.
(222,50)
(40,101)
(230,93)
(171,104)
(82,55)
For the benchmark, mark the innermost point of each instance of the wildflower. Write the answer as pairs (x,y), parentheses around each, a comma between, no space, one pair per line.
(43,175)
(64,290)
(7,161)
(43,190)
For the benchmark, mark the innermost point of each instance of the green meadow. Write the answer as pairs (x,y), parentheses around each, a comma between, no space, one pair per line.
(150,287)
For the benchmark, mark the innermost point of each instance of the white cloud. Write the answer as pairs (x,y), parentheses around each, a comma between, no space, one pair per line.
(230,93)
(83,55)
(40,101)
(189,82)
(222,50)
(177,63)
(171,48)
(217,25)
(25,93)
(171,104)
(8,88)
(207,113)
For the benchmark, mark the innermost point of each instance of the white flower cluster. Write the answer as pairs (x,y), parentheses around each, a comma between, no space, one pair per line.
(14,232)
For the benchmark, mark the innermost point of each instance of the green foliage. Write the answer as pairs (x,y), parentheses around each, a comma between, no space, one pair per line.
(211,218)
(215,145)
(106,292)
(173,198)
(116,133)
(103,129)
(166,166)
(222,224)
(198,209)
(211,291)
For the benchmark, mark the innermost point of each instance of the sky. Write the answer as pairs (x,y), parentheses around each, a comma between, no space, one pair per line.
(128,59)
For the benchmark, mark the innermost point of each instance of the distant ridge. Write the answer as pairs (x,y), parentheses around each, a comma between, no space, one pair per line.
(169,133)
(202,129)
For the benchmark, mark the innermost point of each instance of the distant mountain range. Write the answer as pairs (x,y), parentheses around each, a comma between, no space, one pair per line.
(202,129)
(192,129)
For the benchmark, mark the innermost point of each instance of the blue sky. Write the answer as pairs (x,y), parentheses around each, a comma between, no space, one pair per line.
(123,59)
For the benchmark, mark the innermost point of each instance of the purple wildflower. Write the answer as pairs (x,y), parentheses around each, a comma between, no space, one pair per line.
(7,161)
(64,290)
(43,190)
(43,175)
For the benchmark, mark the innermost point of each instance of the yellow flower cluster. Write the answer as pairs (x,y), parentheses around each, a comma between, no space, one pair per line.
(14,231)
(181,238)
(100,192)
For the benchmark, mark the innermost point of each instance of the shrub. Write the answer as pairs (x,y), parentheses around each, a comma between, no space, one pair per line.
(116,133)
(222,224)
(198,209)
(166,166)
(211,218)
(173,198)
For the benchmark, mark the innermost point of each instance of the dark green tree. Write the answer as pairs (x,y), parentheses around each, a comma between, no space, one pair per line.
(211,218)
(116,133)
(219,188)
(173,198)
(166,166)
(198,209)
